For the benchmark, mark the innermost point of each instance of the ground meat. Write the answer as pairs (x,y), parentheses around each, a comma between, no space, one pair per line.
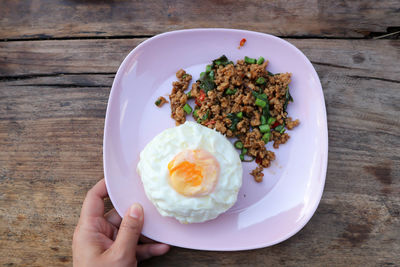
(257,174)
(242,98)
(160,101)
(178,98)
(279,138)
(291,124)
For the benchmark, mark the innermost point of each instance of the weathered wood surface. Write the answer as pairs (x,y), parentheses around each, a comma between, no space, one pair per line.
(53,97)
(21,19)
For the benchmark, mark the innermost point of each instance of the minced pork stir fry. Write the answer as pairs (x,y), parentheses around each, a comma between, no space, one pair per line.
(243,101)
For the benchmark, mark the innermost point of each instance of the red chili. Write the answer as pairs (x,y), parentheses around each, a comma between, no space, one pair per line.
(202,95)
(200,98)
(209,122)
(242,42)
(258,160)
(275,124)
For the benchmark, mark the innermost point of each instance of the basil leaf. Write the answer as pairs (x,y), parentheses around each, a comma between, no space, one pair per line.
(207,81)
(234,119)
(223,60)
(288,98)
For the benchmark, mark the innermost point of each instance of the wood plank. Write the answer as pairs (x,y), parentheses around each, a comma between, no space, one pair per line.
(21,59)
(65,19)
(52,109)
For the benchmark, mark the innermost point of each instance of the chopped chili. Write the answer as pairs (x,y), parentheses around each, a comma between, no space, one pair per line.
(275,124)
(242,42)
(209,122)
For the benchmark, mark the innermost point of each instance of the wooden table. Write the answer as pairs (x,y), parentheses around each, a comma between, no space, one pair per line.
(57,62)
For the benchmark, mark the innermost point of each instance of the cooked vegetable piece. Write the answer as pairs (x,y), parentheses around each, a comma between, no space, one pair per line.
(271,121)
(238,144)
(261,80)
(260,103)
(230,91)
(266,137)
(264,128)
(187,108)
(249,60)
(234,119)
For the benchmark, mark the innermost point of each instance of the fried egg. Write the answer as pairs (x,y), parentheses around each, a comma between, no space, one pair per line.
(191,173)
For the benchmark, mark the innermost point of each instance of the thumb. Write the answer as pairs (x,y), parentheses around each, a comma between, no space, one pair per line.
(129,232)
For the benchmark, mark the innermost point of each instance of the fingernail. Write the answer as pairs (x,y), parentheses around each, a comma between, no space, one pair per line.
(136,211)
(159,249)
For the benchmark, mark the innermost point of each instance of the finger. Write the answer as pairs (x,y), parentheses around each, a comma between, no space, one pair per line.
(129,232)
(93,206)
(146,251)
(113,217)
(146,240)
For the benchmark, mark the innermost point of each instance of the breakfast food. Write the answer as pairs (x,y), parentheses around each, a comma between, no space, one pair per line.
(241,100)
(191,173)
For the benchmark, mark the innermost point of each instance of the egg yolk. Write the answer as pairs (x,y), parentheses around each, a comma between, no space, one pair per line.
(193,173)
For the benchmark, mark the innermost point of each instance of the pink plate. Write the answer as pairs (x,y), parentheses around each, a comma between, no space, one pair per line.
(266,213)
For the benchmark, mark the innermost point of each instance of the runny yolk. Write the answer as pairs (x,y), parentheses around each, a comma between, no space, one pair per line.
(193,172)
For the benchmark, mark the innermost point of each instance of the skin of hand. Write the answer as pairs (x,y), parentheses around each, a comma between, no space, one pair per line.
(106,239)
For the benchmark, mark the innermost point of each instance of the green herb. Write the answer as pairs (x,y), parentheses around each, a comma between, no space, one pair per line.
(205,116)
(263,119)
(279,128)
(261,80)
(260,60)
(239,115)
(223,60)
(212,76)
(207,81)
(229,91)
(195,114)
(187,108)
(238,144)
(271,121)
(208,68)
(189,94)
(234,119)
(265,111)
(270,73)
(158,102)
(262,96)
(265,128)
(243,154)
(247,160)
(249,60)
(184,76)
(266,137)
(260,103)
(288,98)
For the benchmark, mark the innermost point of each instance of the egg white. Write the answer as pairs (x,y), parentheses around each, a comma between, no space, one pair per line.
(153,171)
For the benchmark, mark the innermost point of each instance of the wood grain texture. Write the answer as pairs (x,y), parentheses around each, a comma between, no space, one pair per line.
(53,97)
(21,19)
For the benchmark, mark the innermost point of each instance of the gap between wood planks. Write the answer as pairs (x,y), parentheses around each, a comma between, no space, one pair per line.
(392,32)
(56,74)
(34,76)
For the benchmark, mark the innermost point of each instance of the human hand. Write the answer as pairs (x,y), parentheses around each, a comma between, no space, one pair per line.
(106,239)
